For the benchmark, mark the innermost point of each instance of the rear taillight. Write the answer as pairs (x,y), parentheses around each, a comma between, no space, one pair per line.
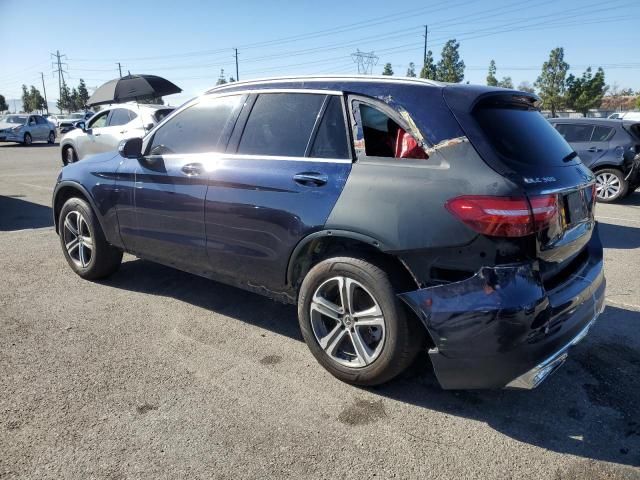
(505,216)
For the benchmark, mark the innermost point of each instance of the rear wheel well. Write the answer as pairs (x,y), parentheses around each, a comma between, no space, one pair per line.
(327,246)
(64,194)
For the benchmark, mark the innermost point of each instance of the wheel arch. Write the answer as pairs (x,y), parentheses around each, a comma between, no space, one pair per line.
(66,190)
(325,243)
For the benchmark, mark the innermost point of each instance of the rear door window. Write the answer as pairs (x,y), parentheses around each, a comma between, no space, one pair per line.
(199,128)
(575,133)
(40,120)
(280,124)
(331,137)
(522,135)
(120,116)
(602,134)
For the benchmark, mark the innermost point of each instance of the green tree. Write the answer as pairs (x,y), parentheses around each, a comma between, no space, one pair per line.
(429,68)
(411,71)
(26,100)
(388,70)
(551,82)
(586,92)
(83,95)
(3,104)
(506,82)
(492,81)
(74,100)
(64,102)
(450,67)
(36,100)
(637,103)
(526,87)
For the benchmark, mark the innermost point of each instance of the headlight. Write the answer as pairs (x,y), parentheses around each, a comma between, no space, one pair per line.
(16,129)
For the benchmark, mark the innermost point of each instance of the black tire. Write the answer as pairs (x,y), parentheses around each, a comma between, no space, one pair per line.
(621,185)
(403,338)
(52,137)
(28,140)
(69,155)
(104,259)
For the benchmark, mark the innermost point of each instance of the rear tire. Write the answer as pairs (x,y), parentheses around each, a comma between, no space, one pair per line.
(359,349)
(83,242)
(610,185)
(69,155)
(27,139)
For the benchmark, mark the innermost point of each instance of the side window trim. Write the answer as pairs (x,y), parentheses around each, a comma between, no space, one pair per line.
(316,126)
(357,133)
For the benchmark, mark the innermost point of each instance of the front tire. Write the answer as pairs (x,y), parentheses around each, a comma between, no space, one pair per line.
(83,242)
(354,324)
(52,137)
(610,185)
(27,139)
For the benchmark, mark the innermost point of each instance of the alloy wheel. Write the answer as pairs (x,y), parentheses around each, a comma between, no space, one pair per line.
(607,185)
(347,322)
(27,139)
(77,239)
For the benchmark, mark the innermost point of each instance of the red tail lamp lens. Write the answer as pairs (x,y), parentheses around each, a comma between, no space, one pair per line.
(504,216)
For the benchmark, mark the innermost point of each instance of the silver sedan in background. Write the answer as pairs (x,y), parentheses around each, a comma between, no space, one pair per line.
(26,129)
(107,128)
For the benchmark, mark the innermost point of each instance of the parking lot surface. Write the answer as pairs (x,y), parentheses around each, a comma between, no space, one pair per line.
(155,373)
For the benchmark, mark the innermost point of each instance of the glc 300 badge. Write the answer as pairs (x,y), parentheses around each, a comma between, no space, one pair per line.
(539,179)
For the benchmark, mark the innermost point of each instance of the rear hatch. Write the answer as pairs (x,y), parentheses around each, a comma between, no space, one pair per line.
(513,138)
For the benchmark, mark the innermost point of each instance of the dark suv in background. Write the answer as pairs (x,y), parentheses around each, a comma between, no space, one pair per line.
(610,148)
(398,214)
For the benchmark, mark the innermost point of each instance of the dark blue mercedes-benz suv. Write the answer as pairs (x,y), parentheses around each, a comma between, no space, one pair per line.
(398,214)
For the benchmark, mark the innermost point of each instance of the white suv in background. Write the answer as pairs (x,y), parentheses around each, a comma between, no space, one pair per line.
(107,128)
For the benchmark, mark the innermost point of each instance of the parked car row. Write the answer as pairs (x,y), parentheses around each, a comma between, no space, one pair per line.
(400,215)
(610,148)
(107,128)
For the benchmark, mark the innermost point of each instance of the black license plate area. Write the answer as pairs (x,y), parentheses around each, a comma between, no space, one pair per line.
(576,207)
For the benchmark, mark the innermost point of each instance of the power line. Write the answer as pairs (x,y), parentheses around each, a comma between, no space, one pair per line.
(60,71)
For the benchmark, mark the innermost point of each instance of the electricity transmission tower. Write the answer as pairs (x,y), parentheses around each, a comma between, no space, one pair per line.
(365,60)
(59,70)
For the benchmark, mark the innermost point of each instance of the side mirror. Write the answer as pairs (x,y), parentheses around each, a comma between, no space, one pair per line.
(148,127)
(131,148)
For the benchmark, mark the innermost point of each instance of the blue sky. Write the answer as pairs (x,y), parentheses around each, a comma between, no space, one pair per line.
(189,42)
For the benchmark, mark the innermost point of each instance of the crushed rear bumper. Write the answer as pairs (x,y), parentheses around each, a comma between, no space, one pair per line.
(502,328)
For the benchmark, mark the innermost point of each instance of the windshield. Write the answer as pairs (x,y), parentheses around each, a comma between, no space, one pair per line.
(522,135)
(18,119)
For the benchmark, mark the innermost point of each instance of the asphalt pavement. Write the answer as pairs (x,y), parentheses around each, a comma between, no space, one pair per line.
(156,374)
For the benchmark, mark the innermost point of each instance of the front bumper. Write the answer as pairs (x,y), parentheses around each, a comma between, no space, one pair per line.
(11,137)
(502,328)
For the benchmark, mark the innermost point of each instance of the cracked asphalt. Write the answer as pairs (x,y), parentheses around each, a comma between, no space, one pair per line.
(156,374)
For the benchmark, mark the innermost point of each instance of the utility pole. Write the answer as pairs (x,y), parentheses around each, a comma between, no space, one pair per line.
(237,73)
(426,34)
(46,104)
(120,69)
(59,63)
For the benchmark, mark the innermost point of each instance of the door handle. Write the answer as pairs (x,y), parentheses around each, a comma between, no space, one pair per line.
(311,178)
(193,169)
(97,134)
(594,149)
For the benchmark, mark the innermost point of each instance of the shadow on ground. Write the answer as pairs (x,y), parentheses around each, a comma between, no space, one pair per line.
(632,199)
(588,409)
(33,145)
(18,214)
(619,236)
